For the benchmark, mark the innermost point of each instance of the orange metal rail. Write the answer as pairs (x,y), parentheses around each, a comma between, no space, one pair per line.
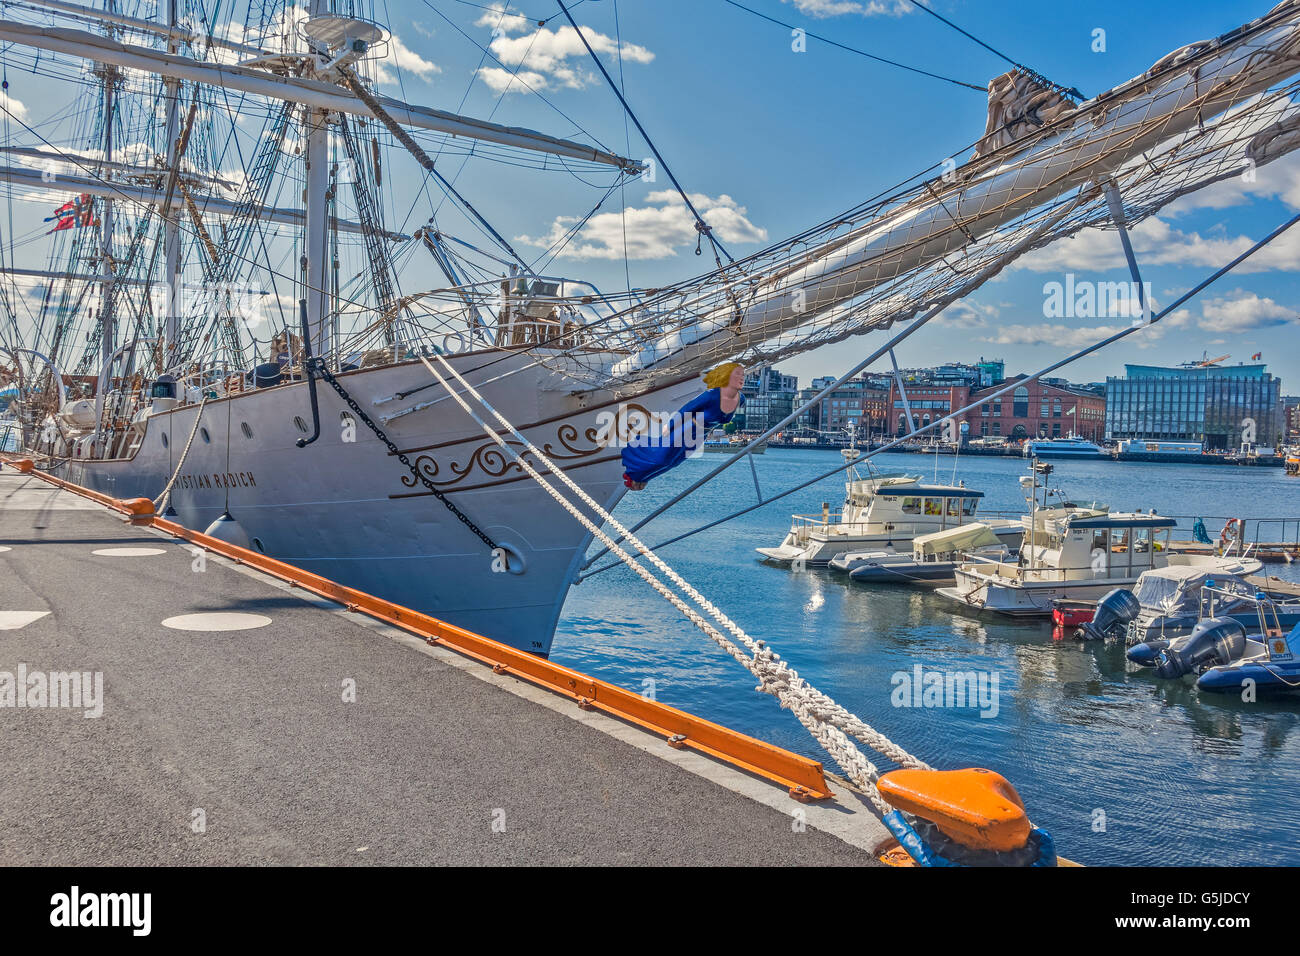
(803,778)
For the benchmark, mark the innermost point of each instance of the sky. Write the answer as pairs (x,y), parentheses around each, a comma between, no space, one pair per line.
(768,140)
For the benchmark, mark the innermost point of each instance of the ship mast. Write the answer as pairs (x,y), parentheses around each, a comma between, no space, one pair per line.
(108,74)
(171,222)
(315,243)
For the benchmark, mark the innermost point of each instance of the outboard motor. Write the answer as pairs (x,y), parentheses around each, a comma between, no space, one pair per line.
(1214,641)
(1114,611)
(1147,653)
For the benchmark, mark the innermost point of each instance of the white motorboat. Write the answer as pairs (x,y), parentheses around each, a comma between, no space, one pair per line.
(1078,555)
(883,513)
(1071,446)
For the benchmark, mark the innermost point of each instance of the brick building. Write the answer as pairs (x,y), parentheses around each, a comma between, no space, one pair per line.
(1050,408)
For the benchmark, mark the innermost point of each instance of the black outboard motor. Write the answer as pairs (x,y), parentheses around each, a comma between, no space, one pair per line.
(1114,611)
(1147,652)
(1214,641)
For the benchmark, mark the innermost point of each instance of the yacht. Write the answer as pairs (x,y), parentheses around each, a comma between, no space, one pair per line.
(1071,446)
(1078,554)
(883,513)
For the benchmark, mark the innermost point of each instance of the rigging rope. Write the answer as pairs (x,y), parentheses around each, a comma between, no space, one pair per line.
(829,722)
(850,49)
(702,227)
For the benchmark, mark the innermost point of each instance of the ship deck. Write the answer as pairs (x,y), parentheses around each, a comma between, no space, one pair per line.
(237,746)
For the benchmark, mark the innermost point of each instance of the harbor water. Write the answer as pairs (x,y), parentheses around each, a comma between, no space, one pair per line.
(1120,767)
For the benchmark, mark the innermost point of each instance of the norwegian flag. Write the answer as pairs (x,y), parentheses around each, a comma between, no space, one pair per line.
(73,214)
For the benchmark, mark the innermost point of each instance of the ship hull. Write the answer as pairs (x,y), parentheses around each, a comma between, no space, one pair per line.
(345,508)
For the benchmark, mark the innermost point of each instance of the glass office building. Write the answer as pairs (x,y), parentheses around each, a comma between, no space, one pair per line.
(1221,406)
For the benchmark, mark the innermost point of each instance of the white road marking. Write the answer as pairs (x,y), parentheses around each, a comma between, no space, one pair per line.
(128,552)
(12,620)
(216,621)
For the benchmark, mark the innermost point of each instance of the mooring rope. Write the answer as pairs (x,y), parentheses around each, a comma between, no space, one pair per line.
(160,503)
(829,722)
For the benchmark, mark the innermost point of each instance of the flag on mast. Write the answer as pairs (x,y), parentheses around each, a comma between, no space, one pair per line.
(75,213)
(1257,356)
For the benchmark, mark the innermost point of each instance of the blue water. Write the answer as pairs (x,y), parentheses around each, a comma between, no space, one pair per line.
(1181,777)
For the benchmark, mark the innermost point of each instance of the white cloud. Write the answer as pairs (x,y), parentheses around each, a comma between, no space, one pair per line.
(541,57)
(656,231)
(1157,243)
(15,107)
(1240,312)
(402,57)
(503,81)
(822,9)
(966,315)
(497,20)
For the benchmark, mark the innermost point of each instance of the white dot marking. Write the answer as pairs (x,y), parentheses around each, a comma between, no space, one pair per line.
(216,621)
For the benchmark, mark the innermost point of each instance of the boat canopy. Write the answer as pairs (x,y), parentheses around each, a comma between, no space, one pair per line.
(1124,521)
(1176,590)
(964,538)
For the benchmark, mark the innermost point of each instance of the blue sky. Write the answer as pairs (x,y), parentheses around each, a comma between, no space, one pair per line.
(772,141)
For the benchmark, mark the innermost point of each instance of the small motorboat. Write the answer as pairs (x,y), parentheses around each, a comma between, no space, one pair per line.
(931,561)
(1225,658)
(1273,667)
(1174,598)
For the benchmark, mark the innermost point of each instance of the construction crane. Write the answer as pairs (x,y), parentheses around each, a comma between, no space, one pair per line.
(1214,361)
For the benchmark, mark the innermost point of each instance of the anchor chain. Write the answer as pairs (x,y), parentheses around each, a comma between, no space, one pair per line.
(316,366)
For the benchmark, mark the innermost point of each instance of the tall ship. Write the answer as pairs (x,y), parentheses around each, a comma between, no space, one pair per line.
(240,318)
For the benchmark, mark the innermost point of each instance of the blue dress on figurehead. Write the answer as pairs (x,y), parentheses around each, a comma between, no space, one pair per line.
(650,455)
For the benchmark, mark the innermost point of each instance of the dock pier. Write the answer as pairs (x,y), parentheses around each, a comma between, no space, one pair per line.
(227,715)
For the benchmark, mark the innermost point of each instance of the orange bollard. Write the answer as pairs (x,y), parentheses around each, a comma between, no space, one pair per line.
(140,510)
(978,808)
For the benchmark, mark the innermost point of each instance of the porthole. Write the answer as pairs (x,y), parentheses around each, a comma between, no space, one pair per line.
(207,439)
(164,439)
(248,432)
(300,424)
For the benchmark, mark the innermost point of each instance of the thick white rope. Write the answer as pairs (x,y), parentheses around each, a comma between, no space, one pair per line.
(813,708)
(160,503)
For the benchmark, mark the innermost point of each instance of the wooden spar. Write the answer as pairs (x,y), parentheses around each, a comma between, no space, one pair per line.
(311,93)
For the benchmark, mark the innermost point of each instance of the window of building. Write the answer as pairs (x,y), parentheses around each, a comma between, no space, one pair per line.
(1020,403)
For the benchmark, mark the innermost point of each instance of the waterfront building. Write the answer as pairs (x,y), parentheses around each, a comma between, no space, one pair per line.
(769,397)
(1222,406)
(1039,408)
